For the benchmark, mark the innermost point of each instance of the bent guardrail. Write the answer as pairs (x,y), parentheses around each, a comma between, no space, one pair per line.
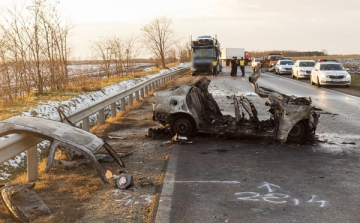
(16,144)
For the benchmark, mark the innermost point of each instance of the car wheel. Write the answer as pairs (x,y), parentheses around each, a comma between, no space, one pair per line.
(193,74)
(318,82)
(292,75)
(297,75)
(347,85)
(182,125)
(300,133)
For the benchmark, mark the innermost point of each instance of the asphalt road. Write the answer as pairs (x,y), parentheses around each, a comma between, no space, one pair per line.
(228,180)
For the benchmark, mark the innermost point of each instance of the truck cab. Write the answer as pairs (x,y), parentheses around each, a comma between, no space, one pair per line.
(271,60)
(203,50)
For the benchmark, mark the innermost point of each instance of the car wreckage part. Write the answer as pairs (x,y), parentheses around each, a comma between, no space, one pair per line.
(124,181)
(22,202)
(60,134)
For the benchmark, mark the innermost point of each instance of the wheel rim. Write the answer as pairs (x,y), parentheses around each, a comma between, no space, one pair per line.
(182,126)
(299,133)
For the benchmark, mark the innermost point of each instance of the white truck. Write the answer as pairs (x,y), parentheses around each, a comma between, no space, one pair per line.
(228,53)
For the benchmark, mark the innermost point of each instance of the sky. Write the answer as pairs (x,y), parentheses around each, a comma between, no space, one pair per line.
(256,25)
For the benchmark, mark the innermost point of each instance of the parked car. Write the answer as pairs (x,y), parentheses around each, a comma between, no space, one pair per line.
(330,73)
(255,62)
(302,68)
(284,66)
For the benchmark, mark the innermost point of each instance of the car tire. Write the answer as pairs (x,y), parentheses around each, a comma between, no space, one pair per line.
(300,133)
(347,85)
(182,125)
(297,75)
(318,82)
(292,75)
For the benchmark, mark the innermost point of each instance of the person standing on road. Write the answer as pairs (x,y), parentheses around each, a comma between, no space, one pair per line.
(242,66)
(233,67)
(214,64)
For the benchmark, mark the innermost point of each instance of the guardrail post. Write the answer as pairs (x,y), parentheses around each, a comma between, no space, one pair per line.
(131,100)
(113,109)
(122,104)
(101,114)
(142,94)
(137,98)
(146,90)
(32,164)
(86,124)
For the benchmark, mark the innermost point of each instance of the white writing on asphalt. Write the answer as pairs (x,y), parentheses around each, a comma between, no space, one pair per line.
(128,199)
(276,198)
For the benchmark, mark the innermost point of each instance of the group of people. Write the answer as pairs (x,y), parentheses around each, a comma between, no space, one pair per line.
(234,65)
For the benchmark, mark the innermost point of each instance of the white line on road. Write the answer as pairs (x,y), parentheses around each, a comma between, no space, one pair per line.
(209,181)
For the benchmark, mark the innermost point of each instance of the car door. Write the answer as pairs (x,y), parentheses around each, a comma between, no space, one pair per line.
(295,69)
(277,66)
(315,73)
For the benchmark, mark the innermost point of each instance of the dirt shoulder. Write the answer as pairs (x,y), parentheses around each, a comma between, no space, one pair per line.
(78,194)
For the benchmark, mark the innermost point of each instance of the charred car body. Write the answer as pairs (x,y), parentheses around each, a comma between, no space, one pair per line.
(191,108)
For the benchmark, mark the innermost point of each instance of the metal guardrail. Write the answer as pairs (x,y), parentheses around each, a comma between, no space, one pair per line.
(18,143)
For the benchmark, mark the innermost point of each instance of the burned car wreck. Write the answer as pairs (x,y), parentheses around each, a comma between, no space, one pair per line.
(191,108)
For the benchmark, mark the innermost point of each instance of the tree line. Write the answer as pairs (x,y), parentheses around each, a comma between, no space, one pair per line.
(35,51)
(288,53)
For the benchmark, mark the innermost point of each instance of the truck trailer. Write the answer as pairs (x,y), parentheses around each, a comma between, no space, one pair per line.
(203,50)
(228,53)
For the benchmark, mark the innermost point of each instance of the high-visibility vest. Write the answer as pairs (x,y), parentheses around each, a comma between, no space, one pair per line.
(242,62)
(214,63)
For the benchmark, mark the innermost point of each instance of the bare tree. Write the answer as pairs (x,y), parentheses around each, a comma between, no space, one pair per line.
(103,49)
(158,37)
(131,51)
(171,55)
(183,52)
(35,50)
(117,46)
(116,51)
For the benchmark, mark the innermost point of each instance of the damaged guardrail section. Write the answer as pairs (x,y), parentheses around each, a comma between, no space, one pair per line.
(18,143)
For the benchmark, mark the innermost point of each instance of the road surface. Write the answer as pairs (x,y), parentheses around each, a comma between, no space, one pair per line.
(228,180)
